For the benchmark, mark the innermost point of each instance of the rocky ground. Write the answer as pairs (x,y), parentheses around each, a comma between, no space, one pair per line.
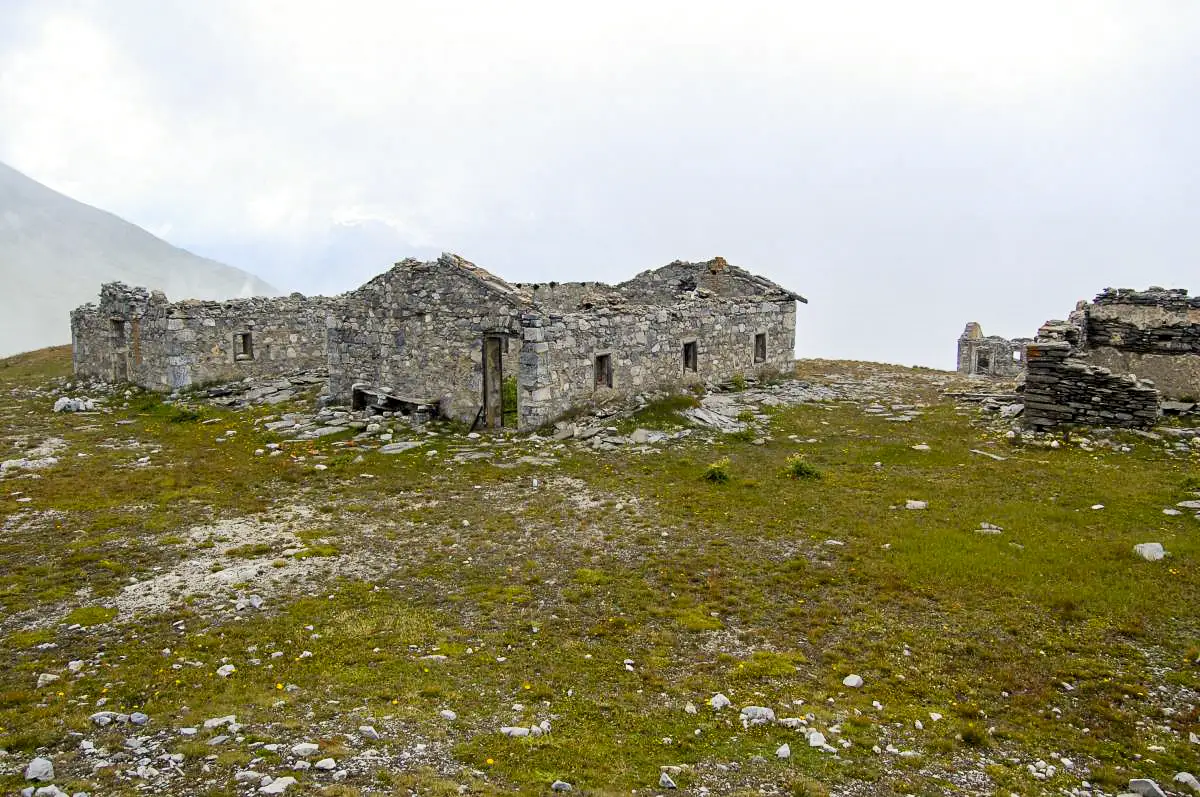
(861,580)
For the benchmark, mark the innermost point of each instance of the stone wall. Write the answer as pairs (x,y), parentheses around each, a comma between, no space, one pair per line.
(417,332)
(1061,389)
(139,337)
(645,347)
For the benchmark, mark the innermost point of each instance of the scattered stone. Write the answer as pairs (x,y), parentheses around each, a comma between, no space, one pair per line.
(664,781)
(1150,551)
(1146,788)
(515,732)
(138,718)
(226,670)
(326,765)
(45,679)
(40,769)
(561,785)
(852,681)
(368,732)
(448,715)
(816,739)
(277,786)
(1189,780)
(911,504)
(783,751)
(757,715)
(719,701)
(304,749)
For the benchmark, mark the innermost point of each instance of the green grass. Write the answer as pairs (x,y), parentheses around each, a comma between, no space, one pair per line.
(737,587)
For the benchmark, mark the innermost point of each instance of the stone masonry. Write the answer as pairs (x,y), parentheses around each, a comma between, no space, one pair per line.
(450,335)
(1062,389)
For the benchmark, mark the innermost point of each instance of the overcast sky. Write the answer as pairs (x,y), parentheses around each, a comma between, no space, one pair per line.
(907,166)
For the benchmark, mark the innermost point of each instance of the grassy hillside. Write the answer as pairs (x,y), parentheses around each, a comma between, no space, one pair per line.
(611,594)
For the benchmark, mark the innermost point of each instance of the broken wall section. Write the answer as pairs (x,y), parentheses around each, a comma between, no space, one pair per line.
(1061,389)
(1154,334)
(587,358)
(135,335)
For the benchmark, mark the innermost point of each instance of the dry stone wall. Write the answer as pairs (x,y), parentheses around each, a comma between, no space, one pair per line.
(1061,389)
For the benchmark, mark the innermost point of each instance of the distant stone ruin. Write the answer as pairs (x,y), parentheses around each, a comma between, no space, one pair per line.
(989,356)
(1110,362)
(450,335)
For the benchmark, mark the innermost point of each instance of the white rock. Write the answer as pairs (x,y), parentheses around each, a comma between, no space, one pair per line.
(40,769)
(852,681)
(690,708)
(719,701)
(911,504)
(515,732)
(277,786)
(325,765)
(219,722)
(784,751)
(1189,780)
(368,732)
(448,715)
(936,717)
(304,749)
(664,780)
(247,776)
(816,739)
(1150,551)
(226,670)
(45,679)
(757,715)
(1146,788)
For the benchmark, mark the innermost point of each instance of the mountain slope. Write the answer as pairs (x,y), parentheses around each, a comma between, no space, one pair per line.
(55,252)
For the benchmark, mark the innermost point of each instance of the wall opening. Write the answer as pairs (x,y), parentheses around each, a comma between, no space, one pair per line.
(604,370)
(760,347)
(691,356)
(118,331)
(493,382)
(243,346)
(983,362)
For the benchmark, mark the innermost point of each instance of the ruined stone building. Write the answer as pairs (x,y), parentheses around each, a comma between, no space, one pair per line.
(447,333)
(1109,362)
(991,355)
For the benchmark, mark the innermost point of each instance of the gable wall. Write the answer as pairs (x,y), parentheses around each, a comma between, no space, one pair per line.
(418,333)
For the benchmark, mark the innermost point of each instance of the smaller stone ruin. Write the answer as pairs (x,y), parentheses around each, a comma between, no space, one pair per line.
(989,356)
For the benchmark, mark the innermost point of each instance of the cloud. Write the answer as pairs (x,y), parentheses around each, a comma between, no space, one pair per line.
(918,164)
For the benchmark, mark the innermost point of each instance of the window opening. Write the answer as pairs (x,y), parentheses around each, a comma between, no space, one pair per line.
(690,356)
(760,347)
(243,346)
(604,377)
